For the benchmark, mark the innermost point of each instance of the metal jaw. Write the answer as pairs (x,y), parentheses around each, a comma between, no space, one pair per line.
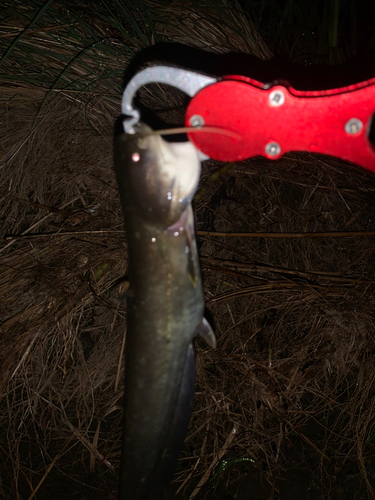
(187,81)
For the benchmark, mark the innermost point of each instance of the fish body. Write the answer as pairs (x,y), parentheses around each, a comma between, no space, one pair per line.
(157,181)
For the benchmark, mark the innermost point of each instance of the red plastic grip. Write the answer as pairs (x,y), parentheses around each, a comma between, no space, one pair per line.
(272,121)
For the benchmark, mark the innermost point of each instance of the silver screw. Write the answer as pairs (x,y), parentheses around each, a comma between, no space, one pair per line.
(273,149)
(196,121)
(277,98)
(353,126)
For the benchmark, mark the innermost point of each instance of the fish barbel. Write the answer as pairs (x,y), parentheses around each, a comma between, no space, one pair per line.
(157,181)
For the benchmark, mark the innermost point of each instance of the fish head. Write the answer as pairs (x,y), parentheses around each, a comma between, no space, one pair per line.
(157,178)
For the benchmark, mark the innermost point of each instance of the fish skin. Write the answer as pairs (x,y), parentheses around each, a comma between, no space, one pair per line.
(157,181)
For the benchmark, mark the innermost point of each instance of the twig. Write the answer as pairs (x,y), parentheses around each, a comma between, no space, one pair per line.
(37,223)
(65,233)
(307,440)
(215,461)
(89,446)
(329,234)
(188,477)
(60,453)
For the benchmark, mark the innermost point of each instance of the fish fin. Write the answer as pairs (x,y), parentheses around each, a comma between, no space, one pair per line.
(205,331)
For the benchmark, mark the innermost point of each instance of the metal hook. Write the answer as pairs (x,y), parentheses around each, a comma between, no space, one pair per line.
(187,81)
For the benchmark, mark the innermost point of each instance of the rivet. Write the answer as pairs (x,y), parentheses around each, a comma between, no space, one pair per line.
(196,121)
(353,126)
(277,98)
(273,149)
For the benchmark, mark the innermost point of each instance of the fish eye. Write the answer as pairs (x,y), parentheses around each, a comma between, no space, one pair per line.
(136,157)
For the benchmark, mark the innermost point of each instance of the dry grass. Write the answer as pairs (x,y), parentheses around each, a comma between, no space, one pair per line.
(294,317)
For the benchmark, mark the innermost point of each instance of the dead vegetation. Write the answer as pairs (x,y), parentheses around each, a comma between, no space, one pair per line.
(294,315)
(293,374)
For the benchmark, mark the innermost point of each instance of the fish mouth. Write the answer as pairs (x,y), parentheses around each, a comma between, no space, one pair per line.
(161,177)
